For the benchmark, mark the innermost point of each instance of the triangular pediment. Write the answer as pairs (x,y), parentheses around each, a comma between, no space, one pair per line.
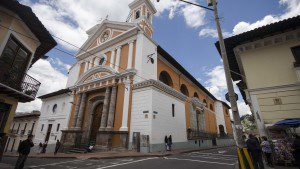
(104,32)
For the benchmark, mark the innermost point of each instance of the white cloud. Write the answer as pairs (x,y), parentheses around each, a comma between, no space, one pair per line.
(59,63)
(51,80)
(292,9)
(210,32)
(69,19)
(194,16)
(216,84)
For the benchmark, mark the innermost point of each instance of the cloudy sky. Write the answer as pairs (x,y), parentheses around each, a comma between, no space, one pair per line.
(188,33)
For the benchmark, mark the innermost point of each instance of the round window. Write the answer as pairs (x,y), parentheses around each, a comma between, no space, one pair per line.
(105,36)
(54,108)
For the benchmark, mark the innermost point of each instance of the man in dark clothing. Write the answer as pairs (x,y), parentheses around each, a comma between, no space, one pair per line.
(24,150)
(296,147)
(57,146)
(255,152)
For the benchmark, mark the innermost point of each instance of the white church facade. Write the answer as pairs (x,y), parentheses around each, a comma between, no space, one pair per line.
(126,91)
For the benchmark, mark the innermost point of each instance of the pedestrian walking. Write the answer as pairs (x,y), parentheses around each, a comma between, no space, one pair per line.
(267,150)
(24,150)
(166,144)
(170,142)
(57,146)
(296,147)
(255,152)
(44,147)
(40,147)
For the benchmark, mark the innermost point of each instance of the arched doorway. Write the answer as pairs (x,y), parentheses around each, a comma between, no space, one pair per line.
(97,113)
(222,130)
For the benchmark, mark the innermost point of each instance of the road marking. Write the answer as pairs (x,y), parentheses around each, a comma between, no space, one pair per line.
(210,157)
(53,164)
(115,165)
(226,155)
(201,161)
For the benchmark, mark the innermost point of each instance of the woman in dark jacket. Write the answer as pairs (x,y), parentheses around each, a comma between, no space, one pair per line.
(296,147)
(170,142)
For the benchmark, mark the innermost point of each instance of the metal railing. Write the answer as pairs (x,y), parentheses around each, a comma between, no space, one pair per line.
(13,79)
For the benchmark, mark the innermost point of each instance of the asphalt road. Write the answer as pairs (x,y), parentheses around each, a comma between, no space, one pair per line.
(212,159)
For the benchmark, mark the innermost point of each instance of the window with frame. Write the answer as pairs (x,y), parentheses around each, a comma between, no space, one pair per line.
(57,128)
(42,127)
(173,110)
(296,52)
(137,14)
(14,61)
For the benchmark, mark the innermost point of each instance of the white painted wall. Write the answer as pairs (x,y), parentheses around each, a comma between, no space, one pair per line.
(220,115)
(145,68)
(48,117)
(150,99)
(141,101)
(164,123)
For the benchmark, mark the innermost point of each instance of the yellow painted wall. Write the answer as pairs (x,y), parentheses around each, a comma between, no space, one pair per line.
(14,104)
(119,107)
(270,66)
(177,81)
(227,120)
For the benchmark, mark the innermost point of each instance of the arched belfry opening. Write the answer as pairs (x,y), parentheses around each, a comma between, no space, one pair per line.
(166,78)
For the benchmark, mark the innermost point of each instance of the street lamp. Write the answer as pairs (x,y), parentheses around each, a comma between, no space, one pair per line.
(231,94)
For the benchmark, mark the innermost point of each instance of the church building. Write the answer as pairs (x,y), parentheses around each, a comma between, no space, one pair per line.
(129,93)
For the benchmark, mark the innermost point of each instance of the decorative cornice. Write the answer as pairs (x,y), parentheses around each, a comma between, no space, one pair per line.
(269,41)
(196,102)
(161,86)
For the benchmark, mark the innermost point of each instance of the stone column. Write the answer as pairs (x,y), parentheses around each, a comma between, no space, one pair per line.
(77,105)
(81,111)
(86,66)
(126,105)
(105,110)
(112,108)
(129,63)
(112,58)
(117,64)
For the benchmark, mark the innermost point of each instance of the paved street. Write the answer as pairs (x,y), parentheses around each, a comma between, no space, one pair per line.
(212,159)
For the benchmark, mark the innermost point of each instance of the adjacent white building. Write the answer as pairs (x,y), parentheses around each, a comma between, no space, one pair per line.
(54,117)
(22,125)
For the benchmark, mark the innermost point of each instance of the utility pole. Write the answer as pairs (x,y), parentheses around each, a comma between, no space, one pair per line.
(232,97)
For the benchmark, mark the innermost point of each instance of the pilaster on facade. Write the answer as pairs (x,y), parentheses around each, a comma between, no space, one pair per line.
(117,64)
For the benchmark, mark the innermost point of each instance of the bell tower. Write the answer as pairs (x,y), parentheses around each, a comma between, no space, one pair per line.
(142,12)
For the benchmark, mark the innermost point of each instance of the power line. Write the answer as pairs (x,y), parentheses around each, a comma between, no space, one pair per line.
(90,54)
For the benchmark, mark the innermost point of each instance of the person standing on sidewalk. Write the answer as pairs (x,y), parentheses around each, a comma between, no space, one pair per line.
(57,146)
(255,152)
(170,142)
(166,144)
(266,149)
(24,150)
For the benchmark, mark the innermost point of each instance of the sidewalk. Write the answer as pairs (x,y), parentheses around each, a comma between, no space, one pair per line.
(113,154)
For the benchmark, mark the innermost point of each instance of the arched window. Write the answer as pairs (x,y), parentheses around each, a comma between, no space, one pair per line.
(211,107)
(184,90)
(137,14)
(166,78)
(101,61)
(205,102)
(196,95)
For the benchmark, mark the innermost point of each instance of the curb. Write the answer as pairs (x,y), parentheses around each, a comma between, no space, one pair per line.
(127,156)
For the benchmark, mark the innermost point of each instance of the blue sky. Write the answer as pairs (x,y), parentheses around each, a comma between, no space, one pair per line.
(173,31)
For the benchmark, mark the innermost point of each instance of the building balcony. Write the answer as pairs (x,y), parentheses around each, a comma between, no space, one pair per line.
(24,91)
